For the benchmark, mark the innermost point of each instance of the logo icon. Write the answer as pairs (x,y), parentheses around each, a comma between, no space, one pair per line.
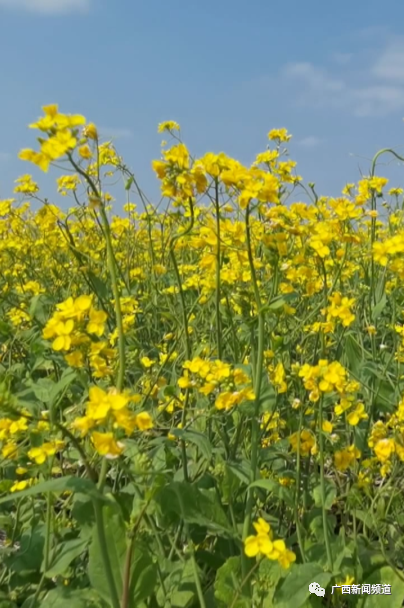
(315,588)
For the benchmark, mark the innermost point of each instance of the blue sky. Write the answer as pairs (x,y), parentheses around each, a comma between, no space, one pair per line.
(227,70)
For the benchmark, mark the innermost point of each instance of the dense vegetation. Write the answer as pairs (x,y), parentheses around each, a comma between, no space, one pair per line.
(202,401)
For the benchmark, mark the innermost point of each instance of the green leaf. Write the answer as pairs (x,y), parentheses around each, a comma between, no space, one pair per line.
(354,353)
(62,484)
(68,376)
(179,586)
(83,511)
(267,399)
(278,302)
(115,535)
(294,589)
(378,309)
(143,570)
(386,397)
(37,308)
(227,584)
(318,553)
(143,576)
(275,488)
(330,495)
(66,552)
(42,389)
(240,470)
(229,485)
(101,288)
(383,576)
(193,505)
(29,556)
(317,526)
(270,572)
(200,440)
(63,597)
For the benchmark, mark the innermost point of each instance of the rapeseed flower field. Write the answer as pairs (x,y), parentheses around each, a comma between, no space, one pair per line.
(201,404)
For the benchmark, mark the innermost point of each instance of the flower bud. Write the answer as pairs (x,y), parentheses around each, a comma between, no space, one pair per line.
(90,131)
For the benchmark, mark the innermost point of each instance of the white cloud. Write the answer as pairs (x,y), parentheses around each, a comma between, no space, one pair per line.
(48,7)
(341,58)
(372,33)
(315,78)
(377,100)
(375,89)
(115,133)
(313,86)
(390,63)
(309,142)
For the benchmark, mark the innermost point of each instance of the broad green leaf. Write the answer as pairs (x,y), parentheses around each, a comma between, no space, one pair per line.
(83,511)
(380,306)
(383,576)
(62,484)
(66,552)
(68,376)
(241,470)
(115,535)
(294,589)
(275,488)
(143,575)
(317,526)
(193,505)
(353,353)
(370,558)
(227,584)
(318,553)
(37,308)
(101,288)
(267,399)
(386,397)
(179,585)
(229,484)
(143,570)
(63,597)
(330,495)
(29,556)
(42,389)
(278,302)
(270,572)
(199,439)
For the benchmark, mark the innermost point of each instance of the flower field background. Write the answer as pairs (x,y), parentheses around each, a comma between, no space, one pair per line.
(202,400)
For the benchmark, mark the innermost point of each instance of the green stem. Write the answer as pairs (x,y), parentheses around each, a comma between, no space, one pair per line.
(197,578)
(47,530)
(38,590)
(243,582)
(322,485)
(115,290)
(376,156)
(257,390)
(186,329)
(298,482)
(217,295)
(111,262)
(102,541)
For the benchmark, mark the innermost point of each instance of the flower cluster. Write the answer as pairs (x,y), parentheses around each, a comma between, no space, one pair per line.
(262,543)
(110,411)
(231,386)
